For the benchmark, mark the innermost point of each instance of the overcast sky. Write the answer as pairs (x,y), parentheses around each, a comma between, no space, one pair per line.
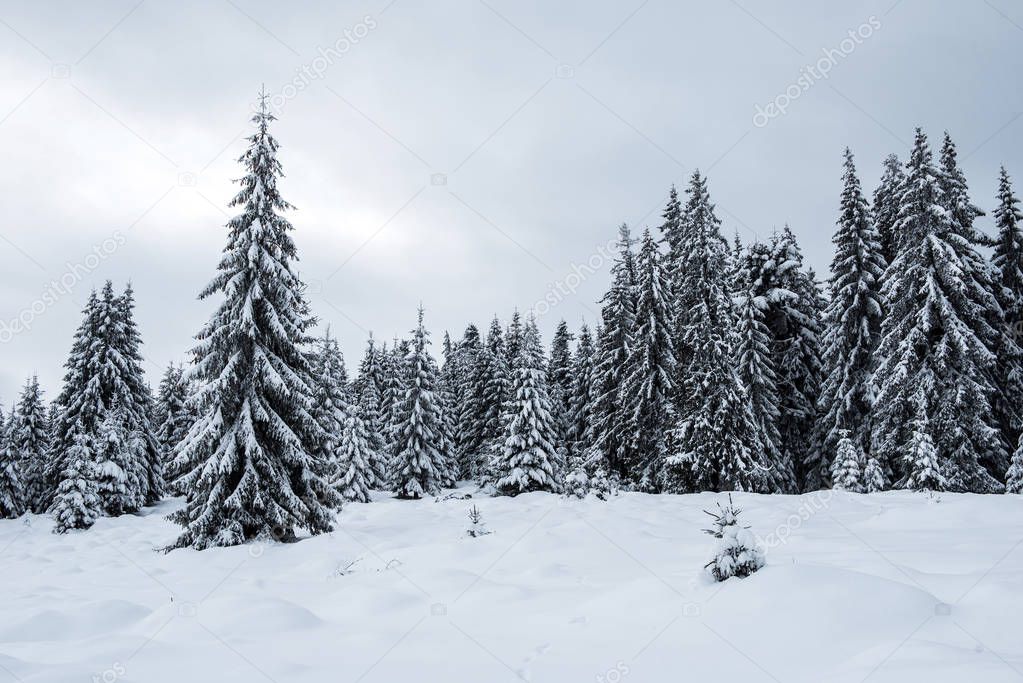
(470,155)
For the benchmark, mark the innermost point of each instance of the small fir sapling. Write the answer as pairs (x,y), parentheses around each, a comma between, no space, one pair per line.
(12,492)
(846,471)
(602,486)
(922,461)
(477,527)
(737,553)
(76,504)
(577,483)
(873,477)
(1014,477)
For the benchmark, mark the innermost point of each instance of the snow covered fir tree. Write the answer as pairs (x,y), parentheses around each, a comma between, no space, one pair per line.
(102,447)
(649,375)
(528,460)
(172,418)
(12,492)
(848,470)
(933,379)
(715,365)
(249,462)
(417,459)
(715,444)
(738,553)
(28,430)
(852,322)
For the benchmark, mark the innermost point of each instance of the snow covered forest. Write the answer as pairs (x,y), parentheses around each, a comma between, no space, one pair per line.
(715,366)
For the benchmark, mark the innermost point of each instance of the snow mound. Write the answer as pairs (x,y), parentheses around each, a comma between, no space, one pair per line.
(255,616)
(839,613)
(87,620)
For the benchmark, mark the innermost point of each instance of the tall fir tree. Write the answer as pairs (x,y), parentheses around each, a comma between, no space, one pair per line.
(886,206)
(367,389)
(715,440)
(354,475)
(79,405)
(956,196)
(529,460)
(989,325)
(513,338)
(418,464)
(369,369)
(579,435)
(390,391)
(609,421)
(76,504)
(117,449)
(559,377)
(125,398)
(135,396)
(327,364)
(30,434)
(934,366)
(395,369)
(673,231)
(852,320)
(12,491)
(173,418)
(369,412)
(105,370)
(757,372)
(763,276)
(248,460)
(472,401)
(737,267)
(450,379)
(1007,260)
(495,388)
(648,385)
(49,468)
(331,402)
(795,326)
(446,401)
(677,238)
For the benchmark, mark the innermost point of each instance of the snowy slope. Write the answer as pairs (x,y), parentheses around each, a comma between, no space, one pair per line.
(893,587)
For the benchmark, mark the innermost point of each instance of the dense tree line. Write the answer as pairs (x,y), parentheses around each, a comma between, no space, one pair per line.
(714,366)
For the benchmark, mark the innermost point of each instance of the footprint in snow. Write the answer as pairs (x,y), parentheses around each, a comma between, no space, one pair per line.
(524,671)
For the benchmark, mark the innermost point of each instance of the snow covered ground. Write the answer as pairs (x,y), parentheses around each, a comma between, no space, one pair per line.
(887,587)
